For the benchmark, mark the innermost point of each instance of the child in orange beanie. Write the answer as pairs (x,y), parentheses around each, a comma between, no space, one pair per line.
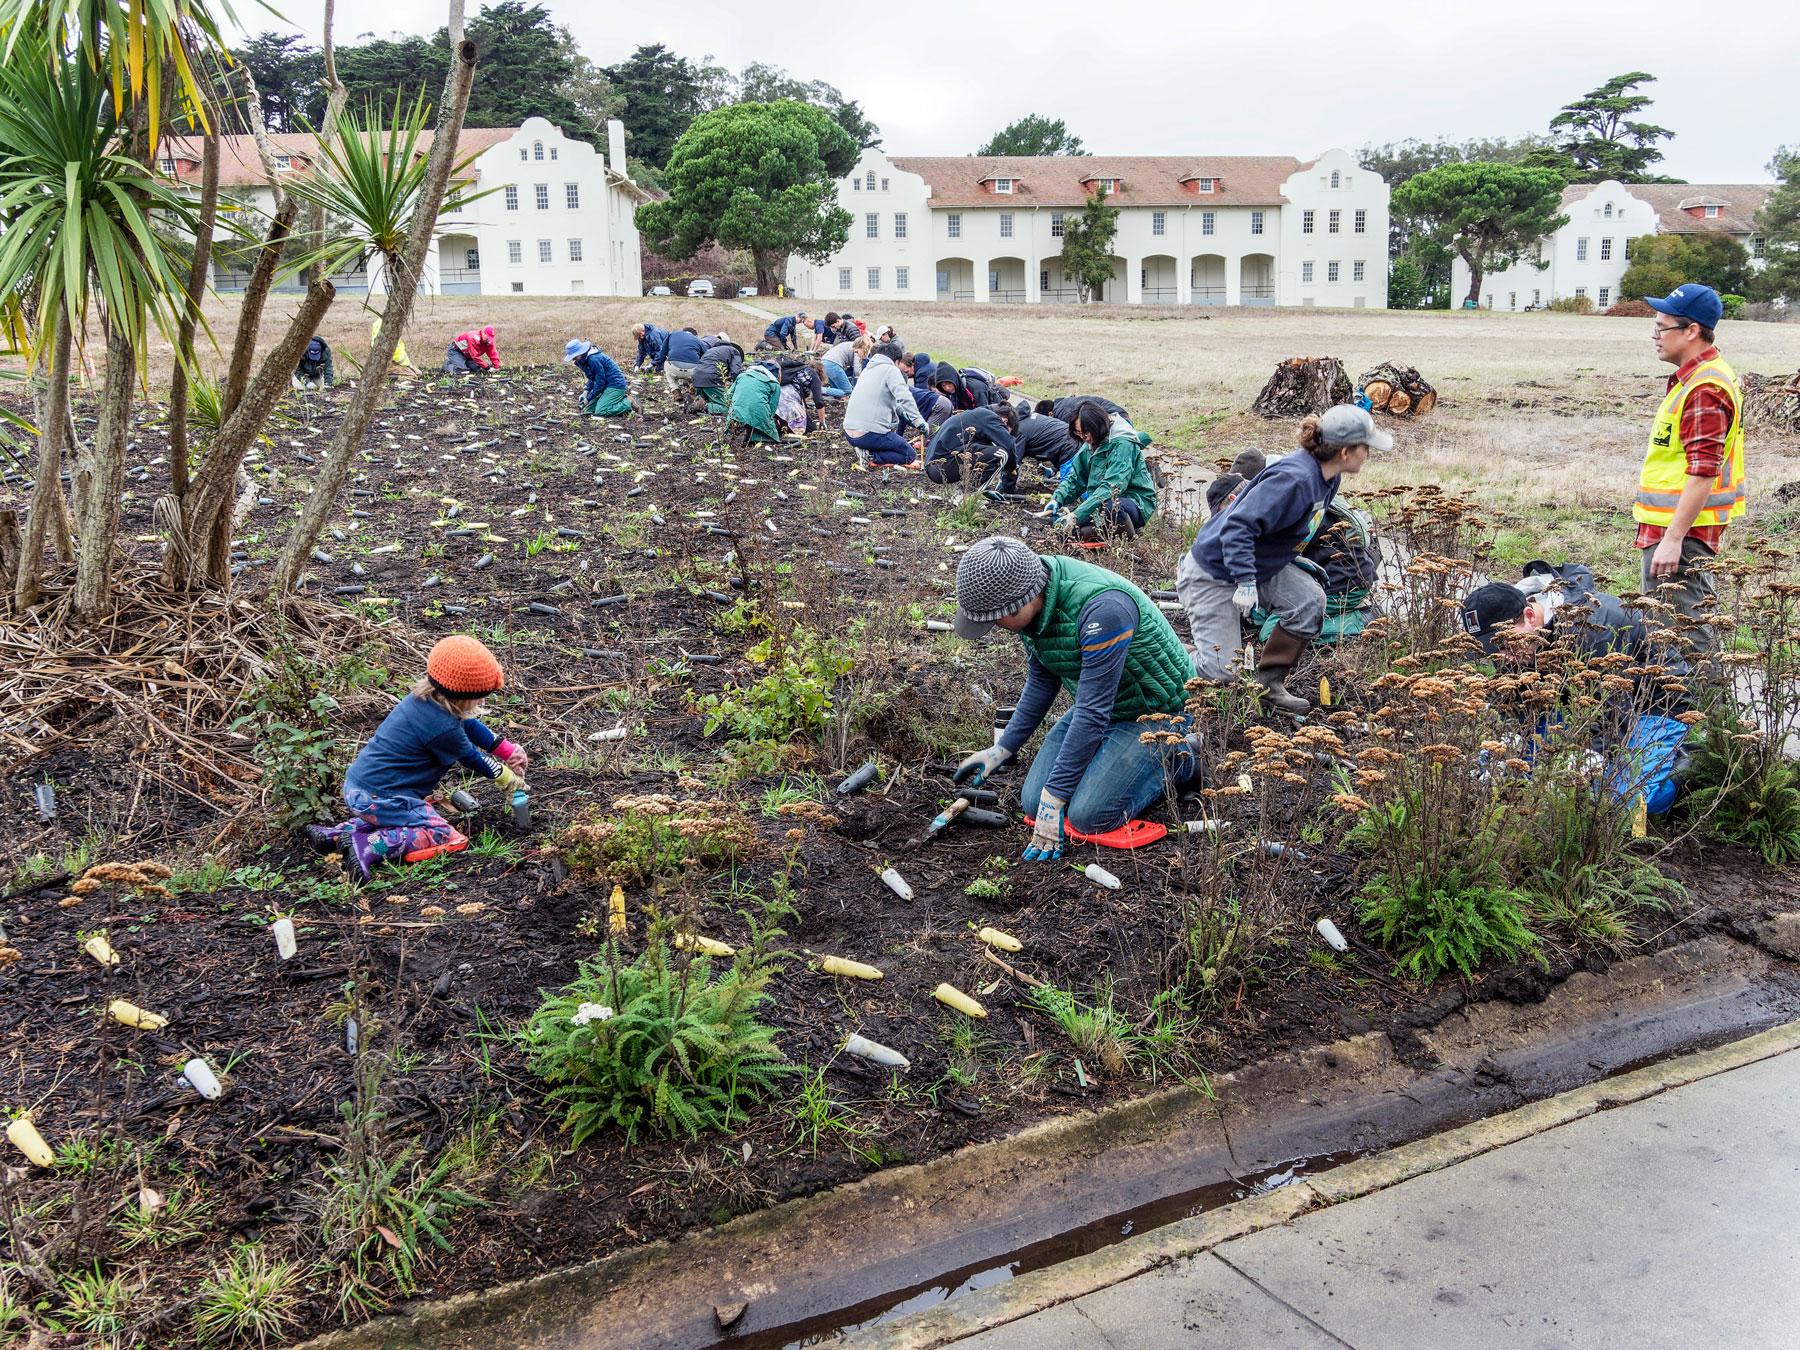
(430,731)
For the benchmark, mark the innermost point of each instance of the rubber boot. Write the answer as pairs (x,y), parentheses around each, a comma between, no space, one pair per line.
(1279,655)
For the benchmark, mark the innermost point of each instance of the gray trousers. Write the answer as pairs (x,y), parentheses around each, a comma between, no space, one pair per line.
(1690,590)
(1214,623)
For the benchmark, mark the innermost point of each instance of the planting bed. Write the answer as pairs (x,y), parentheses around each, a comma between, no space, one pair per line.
(447,960)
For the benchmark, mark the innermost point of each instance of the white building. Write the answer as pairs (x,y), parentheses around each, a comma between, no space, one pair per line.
(554,218)
(1587,258)
(1218,230)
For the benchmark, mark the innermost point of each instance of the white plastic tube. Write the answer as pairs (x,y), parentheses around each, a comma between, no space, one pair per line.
(1097,874)
(202,1079)
(897,884)
(875,1052)
(1333,939)
(285,946)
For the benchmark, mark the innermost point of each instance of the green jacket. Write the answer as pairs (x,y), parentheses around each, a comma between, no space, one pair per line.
(1157,668)
(1116,469)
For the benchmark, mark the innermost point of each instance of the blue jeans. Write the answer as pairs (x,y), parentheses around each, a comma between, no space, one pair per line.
(884,447)
(837,380)
(1122,778)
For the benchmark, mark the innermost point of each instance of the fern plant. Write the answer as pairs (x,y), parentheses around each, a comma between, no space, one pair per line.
(1749,797)
(659,1042)
(1449,925)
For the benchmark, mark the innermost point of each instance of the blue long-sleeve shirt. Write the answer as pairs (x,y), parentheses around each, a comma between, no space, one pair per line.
(416,745)
(683,347)
(602,373)
(1268,522)
(653,347)
(1107,625)
(782,330)
(976,427)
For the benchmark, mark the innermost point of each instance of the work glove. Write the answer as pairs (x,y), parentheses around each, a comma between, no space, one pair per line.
(513,755)
(1047,833)
(975,769)
(1244,597)
(1066,520)
(511,781)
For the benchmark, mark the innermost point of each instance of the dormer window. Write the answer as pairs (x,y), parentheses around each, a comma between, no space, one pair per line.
(1206,185)
(1105,186)
(1004,186)
(1713,212)
(284,162)
(166,166)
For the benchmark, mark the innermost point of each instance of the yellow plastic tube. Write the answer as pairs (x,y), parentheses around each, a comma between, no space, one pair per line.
(1004,942)
(952,997)
(130,1015)
(27,1140)
(706,945)
(856,970)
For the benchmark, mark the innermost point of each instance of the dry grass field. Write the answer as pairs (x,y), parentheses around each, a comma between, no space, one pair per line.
(1541,416)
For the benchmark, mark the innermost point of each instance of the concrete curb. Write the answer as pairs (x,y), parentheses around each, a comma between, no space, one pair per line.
(1031,1293)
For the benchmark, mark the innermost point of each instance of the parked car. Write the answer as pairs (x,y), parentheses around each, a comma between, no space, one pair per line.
(745,292)
(700,288)
(659,290)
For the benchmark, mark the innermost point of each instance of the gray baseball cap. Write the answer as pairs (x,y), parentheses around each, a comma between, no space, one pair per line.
(1347,424)
(996,577)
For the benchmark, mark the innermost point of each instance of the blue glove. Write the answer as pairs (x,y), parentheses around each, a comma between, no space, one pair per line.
(1047,833)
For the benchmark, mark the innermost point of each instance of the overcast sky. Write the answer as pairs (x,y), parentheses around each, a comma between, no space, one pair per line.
(1176,76)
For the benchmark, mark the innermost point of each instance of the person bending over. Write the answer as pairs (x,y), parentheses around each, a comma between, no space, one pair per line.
(973,446)
(1108,489)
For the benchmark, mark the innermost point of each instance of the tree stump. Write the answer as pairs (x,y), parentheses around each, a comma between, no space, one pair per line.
(1302,385)
(1770,401)
(1399,390)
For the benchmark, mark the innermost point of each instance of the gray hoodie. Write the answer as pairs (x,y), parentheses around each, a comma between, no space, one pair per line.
(880,400)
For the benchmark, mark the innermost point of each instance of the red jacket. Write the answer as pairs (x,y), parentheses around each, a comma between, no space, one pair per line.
(479,349)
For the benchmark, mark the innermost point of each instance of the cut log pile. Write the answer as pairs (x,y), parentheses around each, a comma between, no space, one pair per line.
(1397,389)
(1771,401)
(1302,385)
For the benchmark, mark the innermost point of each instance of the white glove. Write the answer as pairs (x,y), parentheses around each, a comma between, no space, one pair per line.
(1244,597)
(975,769)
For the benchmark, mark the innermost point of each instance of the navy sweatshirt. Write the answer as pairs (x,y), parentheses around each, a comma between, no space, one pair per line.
(683,348)
(415,746)
(652,347)
(1107,625)
(602,373)
(782,330)
(1266,525)
(978,426)
(1046,438)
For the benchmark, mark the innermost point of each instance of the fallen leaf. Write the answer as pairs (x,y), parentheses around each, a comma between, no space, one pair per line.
(387,1236)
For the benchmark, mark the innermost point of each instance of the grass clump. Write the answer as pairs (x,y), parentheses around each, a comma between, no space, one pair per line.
(652,837)
(252,1299)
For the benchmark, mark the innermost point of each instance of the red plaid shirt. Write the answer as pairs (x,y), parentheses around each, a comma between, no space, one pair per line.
(1706,419)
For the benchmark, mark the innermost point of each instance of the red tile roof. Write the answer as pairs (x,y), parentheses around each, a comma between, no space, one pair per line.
(1740,203)
(1144,180)
(239,165)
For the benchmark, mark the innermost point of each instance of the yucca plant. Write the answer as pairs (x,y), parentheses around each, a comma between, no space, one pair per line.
(658,1042)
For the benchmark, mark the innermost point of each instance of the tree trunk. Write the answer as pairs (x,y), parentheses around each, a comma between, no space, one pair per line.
(209,508)
(1302,385)
(403,286)
(1474,295)
(766,280)
(198,273)
(11,550)
(256,294)
(100,478)
(46,493)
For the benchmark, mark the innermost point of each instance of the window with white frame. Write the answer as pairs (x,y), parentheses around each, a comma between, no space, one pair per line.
(1512,299)
(1337,179)
(884,185)
(874,278)
(519,286)
(1143,276)
(1605,296)
(284,161)
(1608,212)
(1360,221)
(869,181)
(1756,246)
(1306,221)
(512,197)
(871,225)
(1159,222)
(572,196)
(524,153)
(1006,223)
(1356,269)
(1581,250)
(1206,185)
(543,196)
(166,166)
(1331,270)
(545,251)
(993,280)
(903,278)
(1334,222)
(1714,212)
(537,149)
(1003,186)
(1256,222)
(856,185)
(1581,292)
(472,259)
(1606,250)
(1537,297)
(843,278)
(1043,281)
(515,251)
(1306,271)
(1056,224)
(1109,186)
(574,250)
(1209,222)
(899,224)
(953,225)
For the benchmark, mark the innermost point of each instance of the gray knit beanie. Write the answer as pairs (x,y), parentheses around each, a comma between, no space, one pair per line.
(996,577)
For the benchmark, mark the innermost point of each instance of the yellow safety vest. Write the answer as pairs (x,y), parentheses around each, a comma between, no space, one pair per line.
(1665,473)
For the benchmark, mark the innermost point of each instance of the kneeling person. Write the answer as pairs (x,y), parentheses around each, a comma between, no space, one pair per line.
(1108,488)
(979,441)
(605,394)
(1090,632)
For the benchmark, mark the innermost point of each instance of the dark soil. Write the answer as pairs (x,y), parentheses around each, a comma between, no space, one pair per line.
(455,955)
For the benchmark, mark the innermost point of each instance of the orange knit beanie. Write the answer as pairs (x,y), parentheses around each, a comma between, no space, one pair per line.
(462,668)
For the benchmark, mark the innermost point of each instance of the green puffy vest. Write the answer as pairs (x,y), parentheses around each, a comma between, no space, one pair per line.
(1157,668)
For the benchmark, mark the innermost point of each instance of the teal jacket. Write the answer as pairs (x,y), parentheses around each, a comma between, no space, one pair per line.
(1116,469)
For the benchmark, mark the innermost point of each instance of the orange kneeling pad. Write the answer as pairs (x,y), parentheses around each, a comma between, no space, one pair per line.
(1132,834)
(456,843)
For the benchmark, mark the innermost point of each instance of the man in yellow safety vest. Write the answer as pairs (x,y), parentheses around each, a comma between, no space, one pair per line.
(1692,482)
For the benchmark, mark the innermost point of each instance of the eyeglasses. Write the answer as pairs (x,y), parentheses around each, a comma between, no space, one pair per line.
(1661,328)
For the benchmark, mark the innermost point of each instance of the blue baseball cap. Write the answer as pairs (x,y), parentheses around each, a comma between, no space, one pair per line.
(1693,302)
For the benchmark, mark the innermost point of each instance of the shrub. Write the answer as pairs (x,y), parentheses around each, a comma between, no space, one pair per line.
(295,708)
(1734,305)
(654,837)
(1572,304)
(1741,796)
(1452,923)
(657,1042)
(793,699)
(1630,309)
